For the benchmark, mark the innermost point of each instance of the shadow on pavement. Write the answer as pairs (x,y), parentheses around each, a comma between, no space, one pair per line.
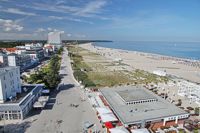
(63,75)
(33,112)
(15,128)
(53,95)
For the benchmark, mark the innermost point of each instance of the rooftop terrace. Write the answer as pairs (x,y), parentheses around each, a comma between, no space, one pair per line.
(26,89)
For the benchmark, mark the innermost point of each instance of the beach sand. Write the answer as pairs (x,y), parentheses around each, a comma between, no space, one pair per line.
(148,62)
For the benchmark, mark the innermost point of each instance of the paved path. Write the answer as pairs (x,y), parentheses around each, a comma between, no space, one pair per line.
(62,117)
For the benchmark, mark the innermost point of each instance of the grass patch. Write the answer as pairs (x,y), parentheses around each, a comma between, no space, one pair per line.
(95,71)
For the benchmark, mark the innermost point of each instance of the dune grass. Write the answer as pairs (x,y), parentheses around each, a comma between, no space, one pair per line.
(93,70)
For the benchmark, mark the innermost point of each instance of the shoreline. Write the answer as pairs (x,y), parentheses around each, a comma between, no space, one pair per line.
(151,54)
(179,67)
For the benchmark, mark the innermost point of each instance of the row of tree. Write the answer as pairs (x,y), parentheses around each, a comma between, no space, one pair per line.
(11,44)
(49,75)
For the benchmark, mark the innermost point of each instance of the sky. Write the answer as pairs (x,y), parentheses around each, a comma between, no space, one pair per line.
(118,20)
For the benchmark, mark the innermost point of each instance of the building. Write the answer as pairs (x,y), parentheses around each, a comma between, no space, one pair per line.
(16,100)
(3,60)
(54,38)
(48,50)
(137,106)
(22,60)
(10,50)
(19,107)
(10,83)
(35,54)
(189,90)
(159,73)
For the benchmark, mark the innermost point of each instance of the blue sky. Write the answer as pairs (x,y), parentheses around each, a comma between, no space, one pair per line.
(131,20)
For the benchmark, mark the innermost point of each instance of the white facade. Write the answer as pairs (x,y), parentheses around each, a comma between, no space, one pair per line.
(159,73)
(54,37)
(12,61)
(10,83)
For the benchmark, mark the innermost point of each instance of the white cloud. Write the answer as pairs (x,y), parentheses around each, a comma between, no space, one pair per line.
(49,29)
(40,30)
(70,19)
(10,25)
(69,35)
(56,17)
(18,11)
(91,8)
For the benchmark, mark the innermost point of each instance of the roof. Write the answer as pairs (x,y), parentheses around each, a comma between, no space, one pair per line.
(119,130)
(142,130)
(134,95)
(108,117)
(103,110)
(11,49)
(138,113)
(23,100)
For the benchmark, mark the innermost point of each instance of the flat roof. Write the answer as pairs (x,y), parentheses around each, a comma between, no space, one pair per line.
(20,96)
(134,94)
(138,113)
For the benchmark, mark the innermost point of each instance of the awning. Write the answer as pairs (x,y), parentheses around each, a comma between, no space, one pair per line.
(142,130)
(108,125)
(119,130)
(108,117)
(103,110)
(39,104)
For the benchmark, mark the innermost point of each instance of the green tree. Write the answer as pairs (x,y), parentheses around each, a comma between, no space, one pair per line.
(52,78)
(197,110)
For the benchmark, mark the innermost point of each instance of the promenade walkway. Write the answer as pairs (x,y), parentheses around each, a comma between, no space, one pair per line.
(60,117)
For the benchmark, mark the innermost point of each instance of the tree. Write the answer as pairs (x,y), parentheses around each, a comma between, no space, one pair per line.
(52,78)
(197,110)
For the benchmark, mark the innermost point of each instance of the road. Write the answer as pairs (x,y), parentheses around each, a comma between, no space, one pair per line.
(60,117)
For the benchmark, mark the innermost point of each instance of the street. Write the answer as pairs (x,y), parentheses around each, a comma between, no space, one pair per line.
(59,116)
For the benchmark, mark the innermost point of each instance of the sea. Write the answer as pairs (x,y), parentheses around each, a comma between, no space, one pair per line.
(187,50)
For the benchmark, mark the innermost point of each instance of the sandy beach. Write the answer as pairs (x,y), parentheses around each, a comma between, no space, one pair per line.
(149,62)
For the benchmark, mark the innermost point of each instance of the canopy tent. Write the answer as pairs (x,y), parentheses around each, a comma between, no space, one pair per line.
(108,117)
(119,130)
(103,110)
(142,130)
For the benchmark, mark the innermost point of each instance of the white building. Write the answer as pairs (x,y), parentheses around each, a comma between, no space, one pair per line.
(159,73)
(22,60)
(189,90)
(54,37)
(10,83)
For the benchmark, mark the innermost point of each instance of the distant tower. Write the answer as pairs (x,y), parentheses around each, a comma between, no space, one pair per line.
(54,37)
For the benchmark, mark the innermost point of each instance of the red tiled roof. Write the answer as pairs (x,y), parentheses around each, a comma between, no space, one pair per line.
(11,49)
